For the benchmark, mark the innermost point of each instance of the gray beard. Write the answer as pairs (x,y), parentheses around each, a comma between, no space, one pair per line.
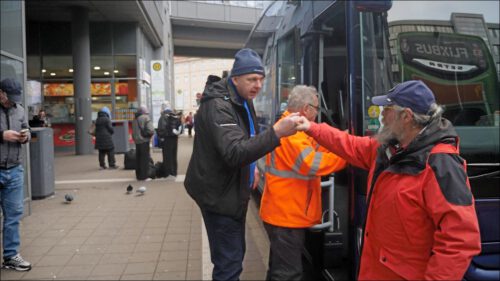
(385,135)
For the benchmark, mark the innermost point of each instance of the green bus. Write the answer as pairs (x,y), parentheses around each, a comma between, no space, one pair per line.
(458,68)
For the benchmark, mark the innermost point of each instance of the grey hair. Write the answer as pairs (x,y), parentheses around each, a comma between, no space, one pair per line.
(422,120)
(299,96)
(435,112)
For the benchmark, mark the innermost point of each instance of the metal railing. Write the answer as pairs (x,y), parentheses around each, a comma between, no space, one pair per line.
(330,184)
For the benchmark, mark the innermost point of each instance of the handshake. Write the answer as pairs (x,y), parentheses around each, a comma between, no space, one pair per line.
(290,125)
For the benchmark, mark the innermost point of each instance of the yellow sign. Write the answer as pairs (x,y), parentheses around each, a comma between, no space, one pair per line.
(157,66)
(373,111)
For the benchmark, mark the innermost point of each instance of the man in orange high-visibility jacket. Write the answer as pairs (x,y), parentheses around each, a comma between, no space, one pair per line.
(291,201)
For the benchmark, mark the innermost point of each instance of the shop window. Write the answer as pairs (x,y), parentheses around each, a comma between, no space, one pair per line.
(125,66)
(101,66)
(100,38)
(55,67)
(124,38)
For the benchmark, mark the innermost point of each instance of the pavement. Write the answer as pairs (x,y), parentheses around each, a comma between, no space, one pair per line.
(107,234)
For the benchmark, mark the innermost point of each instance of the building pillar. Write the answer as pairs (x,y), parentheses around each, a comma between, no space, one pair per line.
(81,79)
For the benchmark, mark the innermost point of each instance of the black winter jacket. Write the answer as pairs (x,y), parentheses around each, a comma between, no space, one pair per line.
(167,123)
(103,132)
(218,173)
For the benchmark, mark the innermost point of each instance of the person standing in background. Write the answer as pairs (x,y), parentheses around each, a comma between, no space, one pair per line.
(189,123)
(40,120)
(142,131)
(14,132)
(104,138)
(169,128)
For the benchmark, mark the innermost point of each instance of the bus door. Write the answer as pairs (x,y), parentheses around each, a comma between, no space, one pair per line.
(323,65)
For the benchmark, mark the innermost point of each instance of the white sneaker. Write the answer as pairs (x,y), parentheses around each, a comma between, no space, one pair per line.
(148,179)
(17,263)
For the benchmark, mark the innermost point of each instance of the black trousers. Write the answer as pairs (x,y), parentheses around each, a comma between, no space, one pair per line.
(226,237)
(169,151)
(111,157)
(285,256)
(142,161)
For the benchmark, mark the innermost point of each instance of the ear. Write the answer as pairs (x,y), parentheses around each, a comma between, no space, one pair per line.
(235,80)
(408,115)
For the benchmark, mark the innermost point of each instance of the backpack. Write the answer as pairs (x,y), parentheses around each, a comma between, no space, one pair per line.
(129,160)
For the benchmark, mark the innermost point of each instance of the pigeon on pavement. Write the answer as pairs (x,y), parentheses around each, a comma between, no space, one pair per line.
(68,198)
(129,189)
(141,190)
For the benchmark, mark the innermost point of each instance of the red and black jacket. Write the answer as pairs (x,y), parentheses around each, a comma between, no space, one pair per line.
(421,222)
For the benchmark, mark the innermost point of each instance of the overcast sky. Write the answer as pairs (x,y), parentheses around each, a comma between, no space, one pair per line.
(441,10)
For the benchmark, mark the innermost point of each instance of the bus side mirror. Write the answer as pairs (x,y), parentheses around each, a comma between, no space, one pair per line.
(376,6)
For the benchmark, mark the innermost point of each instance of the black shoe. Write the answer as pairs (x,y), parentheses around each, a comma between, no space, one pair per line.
(103,168)
(114,167)
(17,263)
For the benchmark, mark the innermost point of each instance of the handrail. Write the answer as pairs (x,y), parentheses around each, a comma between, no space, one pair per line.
(330,184)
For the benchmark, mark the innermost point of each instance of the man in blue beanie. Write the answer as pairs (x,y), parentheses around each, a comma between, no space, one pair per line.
(13,133)
(222,172)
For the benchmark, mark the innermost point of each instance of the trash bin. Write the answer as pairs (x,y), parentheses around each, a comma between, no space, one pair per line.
(120,136)
(42,163)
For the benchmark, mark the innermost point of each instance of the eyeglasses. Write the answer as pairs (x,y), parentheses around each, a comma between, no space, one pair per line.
(314,106)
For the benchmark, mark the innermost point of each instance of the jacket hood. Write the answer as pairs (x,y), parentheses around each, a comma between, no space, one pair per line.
(217,87)
(415,155)
(438,131)
(102,114)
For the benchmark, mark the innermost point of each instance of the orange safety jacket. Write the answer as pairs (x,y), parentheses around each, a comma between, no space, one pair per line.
(292,192)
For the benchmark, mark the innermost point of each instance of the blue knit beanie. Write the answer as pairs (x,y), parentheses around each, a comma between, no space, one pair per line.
(106,110)
(247,61)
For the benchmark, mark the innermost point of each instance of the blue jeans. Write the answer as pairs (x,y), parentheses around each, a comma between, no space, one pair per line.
(226,237)
(11,200)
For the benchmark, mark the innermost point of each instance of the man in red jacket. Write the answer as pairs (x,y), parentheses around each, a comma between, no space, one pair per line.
(421,222)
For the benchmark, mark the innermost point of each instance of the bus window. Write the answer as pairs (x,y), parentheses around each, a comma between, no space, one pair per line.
(287,67)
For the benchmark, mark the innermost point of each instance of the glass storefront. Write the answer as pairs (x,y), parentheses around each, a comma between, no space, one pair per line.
(113,61)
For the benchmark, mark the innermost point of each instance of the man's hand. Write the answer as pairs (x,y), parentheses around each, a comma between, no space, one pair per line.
(13,136)
(256,178)
(302,124)
(286,126)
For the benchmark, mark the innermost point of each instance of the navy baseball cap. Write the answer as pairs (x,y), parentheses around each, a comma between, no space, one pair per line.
(12,88)
(413,94)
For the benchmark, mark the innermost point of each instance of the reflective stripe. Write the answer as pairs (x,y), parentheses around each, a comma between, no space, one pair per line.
(285,174)
(300,159)
(316,162)
(229,124)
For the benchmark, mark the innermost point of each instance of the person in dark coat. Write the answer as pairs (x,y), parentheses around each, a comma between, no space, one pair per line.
(221,172)
(169,128)
(142,131)
(103,138)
